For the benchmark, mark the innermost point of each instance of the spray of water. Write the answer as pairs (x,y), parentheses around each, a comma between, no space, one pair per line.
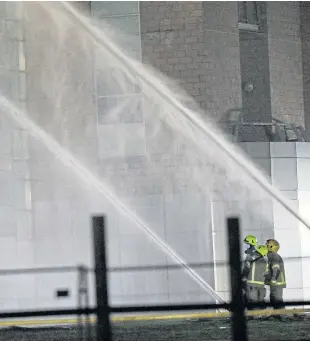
(86,176)
(187,121)
(177,150)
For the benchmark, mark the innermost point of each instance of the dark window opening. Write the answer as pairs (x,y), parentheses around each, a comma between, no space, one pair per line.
(60,293)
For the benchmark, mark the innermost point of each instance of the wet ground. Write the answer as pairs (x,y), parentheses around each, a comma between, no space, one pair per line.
(194,330)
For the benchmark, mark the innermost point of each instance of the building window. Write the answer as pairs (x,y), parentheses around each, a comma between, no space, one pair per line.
(248,12)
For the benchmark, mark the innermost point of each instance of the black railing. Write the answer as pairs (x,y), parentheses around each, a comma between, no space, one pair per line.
(134,268)
(234,123)
(236,306)
(103,310)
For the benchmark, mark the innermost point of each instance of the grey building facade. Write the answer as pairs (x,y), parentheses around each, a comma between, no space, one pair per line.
(247,58)
(209,41)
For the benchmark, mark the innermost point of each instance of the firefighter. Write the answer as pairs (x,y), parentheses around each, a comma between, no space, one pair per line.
(275,274)
(253,272)
(250,243)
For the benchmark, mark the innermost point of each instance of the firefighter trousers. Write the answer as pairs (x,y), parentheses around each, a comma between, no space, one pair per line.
(255,294)
(276,297)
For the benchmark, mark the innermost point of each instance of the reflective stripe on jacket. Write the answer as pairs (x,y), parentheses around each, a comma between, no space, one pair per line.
(276,270)
(254,269)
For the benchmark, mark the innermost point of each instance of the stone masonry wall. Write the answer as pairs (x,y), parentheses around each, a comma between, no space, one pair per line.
(305,35)
(197,44)
(285,61)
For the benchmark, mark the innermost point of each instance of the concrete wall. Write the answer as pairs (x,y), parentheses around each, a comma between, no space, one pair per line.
(45,209)
(254,61)
(41,222)
(295,235)
(305,29)
(16,208)
(289,169)
(197,44)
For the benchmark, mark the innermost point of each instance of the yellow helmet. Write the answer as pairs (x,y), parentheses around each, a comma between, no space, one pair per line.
(262,249)
(272,245)
(251,240)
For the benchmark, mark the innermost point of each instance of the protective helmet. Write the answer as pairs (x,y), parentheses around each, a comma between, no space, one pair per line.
(262,249)
(272,245)
(250,240)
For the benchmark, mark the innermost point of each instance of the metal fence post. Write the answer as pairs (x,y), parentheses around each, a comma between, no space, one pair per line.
(80,304)
(239,327)
(84,322)
(103,320)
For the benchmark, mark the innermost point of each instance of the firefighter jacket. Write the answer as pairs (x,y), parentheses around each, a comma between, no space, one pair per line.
(275,274)
(250,251)
(254,268)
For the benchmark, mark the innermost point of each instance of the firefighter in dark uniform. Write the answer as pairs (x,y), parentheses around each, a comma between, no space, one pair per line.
(275,274)
(250,242)
(253,272)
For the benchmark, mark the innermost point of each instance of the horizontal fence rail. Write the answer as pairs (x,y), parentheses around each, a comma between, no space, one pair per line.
(103,310)
(138,309)
(134,268)
(5,272)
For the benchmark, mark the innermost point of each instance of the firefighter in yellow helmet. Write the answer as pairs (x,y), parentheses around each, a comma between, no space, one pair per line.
(253,274)
(275,274)
(250,242)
